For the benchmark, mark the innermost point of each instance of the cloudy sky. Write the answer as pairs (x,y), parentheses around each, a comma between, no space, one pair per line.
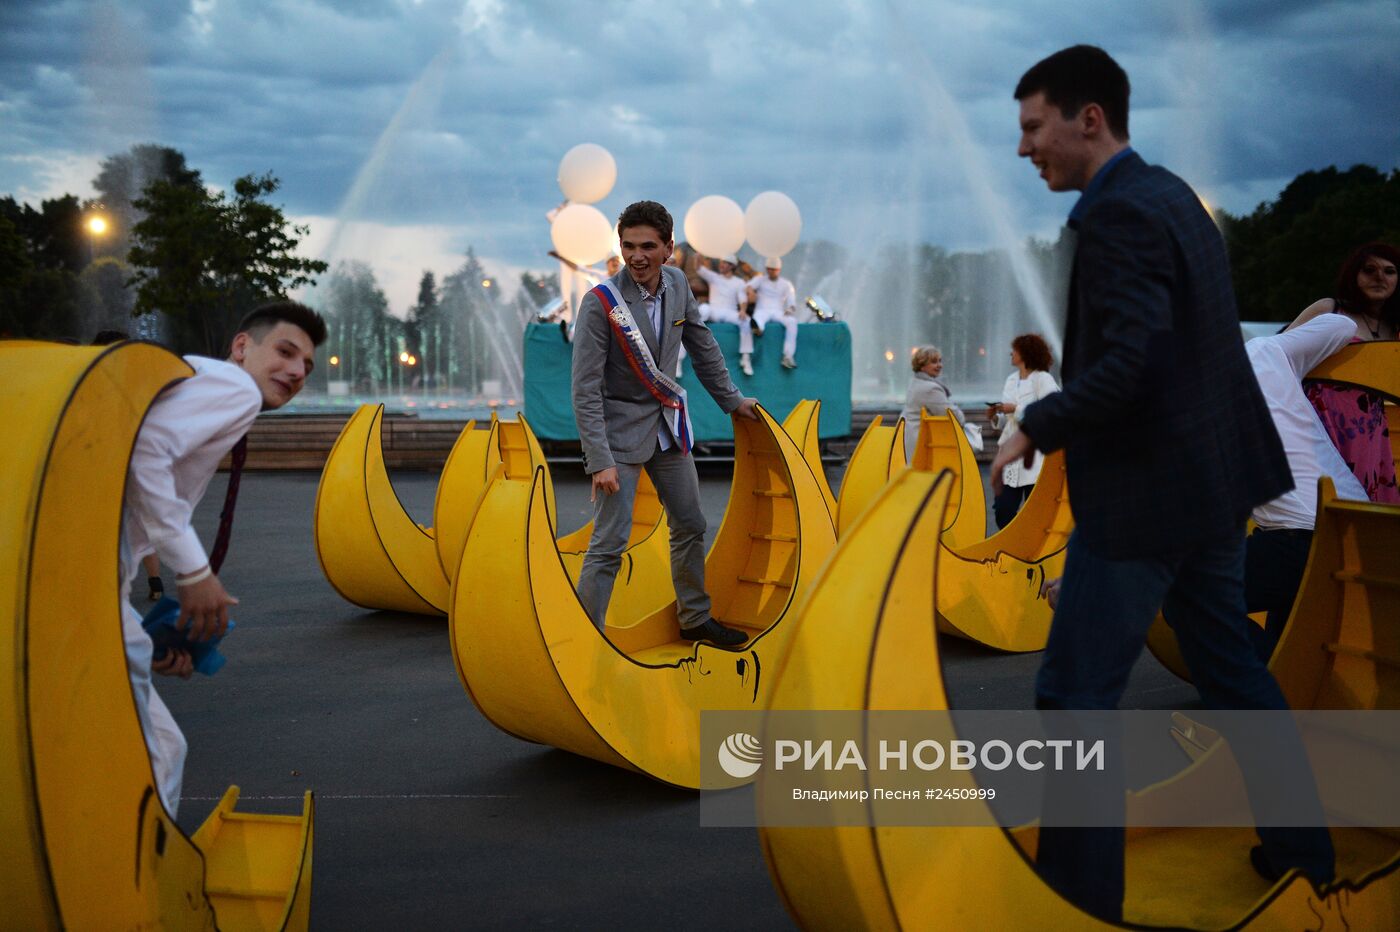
(405,131)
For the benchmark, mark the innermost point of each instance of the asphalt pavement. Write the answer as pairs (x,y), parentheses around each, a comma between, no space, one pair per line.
(428,817)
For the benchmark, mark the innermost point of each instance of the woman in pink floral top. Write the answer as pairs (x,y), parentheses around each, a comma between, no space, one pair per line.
(1355,418)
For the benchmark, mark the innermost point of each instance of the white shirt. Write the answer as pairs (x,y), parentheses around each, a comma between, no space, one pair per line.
(1280,362)
(772,297)
(187,432)
(727,293)
(653,304)
(1022,392)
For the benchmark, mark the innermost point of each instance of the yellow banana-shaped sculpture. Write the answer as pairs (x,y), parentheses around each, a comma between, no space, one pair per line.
(375,555)
(866,640)
(535,666)
(84,840)
(990,591)
(989,588)
(801,425)
(941,444)
(878,458)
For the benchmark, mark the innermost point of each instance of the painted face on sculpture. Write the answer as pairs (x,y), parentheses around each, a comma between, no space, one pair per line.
(1056,145)
(279,361)
(644,252)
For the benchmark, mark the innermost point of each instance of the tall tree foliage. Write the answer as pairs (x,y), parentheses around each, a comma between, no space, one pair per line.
(428,333)
(1285,254)
(360,330)
(122,180)
(204,258)
(41,253)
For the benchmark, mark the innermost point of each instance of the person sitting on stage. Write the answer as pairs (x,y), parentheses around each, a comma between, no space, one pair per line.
(729,304)
(775,299)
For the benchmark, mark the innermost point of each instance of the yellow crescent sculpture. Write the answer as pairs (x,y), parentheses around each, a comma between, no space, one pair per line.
(989,590)
(878,458)
(866,640)
(801,425)
(1374,366)
(375,555)
(533,663)
(86,842)
(941,444)
(371,551)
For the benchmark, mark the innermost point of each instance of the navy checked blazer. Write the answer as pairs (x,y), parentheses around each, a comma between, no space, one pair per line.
(1167,438)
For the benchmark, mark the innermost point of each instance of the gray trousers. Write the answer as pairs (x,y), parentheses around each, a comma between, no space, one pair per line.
(678,487)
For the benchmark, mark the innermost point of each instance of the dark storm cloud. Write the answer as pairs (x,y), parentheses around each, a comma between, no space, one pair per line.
(839,104)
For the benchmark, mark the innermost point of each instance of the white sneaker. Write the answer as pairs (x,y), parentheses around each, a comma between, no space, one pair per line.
(745,366)
(789,362)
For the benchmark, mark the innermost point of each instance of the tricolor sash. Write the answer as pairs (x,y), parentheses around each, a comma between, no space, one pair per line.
(634,347)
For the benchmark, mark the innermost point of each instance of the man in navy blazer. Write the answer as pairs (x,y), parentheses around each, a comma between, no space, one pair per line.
(1168,445)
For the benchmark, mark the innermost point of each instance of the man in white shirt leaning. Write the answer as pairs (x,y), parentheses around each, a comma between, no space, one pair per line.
(187,432)
(1276,554)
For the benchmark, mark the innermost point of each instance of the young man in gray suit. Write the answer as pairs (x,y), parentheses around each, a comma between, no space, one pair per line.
(1168,445)
(631,415)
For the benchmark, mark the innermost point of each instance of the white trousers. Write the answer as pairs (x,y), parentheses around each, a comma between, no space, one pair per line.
(164,741)
(789,322)
(731,316)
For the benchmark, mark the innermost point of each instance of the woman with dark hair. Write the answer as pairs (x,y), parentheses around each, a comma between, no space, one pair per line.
(1354,418)
(1031,381)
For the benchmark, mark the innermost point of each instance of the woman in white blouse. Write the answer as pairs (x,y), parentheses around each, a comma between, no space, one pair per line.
(1030,382)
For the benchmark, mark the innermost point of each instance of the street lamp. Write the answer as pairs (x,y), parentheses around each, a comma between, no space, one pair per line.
(96,227)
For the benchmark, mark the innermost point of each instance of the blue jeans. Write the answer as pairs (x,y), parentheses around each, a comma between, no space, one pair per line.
(1098,632)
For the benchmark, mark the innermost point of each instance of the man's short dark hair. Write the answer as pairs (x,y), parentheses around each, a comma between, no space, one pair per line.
(648,214)
(262,319)
(108,337)
(1075,77)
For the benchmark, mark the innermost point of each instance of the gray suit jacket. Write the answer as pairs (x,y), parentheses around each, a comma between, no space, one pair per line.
(617,417)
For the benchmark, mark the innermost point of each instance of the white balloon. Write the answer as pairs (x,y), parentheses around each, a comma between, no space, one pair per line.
(774,223)
(587,173)
(714,225)
(582,234)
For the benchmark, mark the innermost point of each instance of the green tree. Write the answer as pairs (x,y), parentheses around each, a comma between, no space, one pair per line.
(360,329)
(425,332)
(1285,254)
(204,259)
(122,180)
(46,302)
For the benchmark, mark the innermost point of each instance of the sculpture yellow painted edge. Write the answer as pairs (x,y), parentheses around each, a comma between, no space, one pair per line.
(351,510)
(941,444)
(878,458)
(79,813)
(535,666)
(801,425)
(989,592)
(868,631)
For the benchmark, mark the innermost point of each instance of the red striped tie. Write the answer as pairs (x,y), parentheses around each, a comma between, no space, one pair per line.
(239,454)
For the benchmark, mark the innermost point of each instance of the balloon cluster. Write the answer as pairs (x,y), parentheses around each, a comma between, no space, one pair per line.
(714,225)
(580,232)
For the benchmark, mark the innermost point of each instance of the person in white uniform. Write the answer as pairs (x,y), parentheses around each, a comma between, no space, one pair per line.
(729,303)
(775,299)
(186,433)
